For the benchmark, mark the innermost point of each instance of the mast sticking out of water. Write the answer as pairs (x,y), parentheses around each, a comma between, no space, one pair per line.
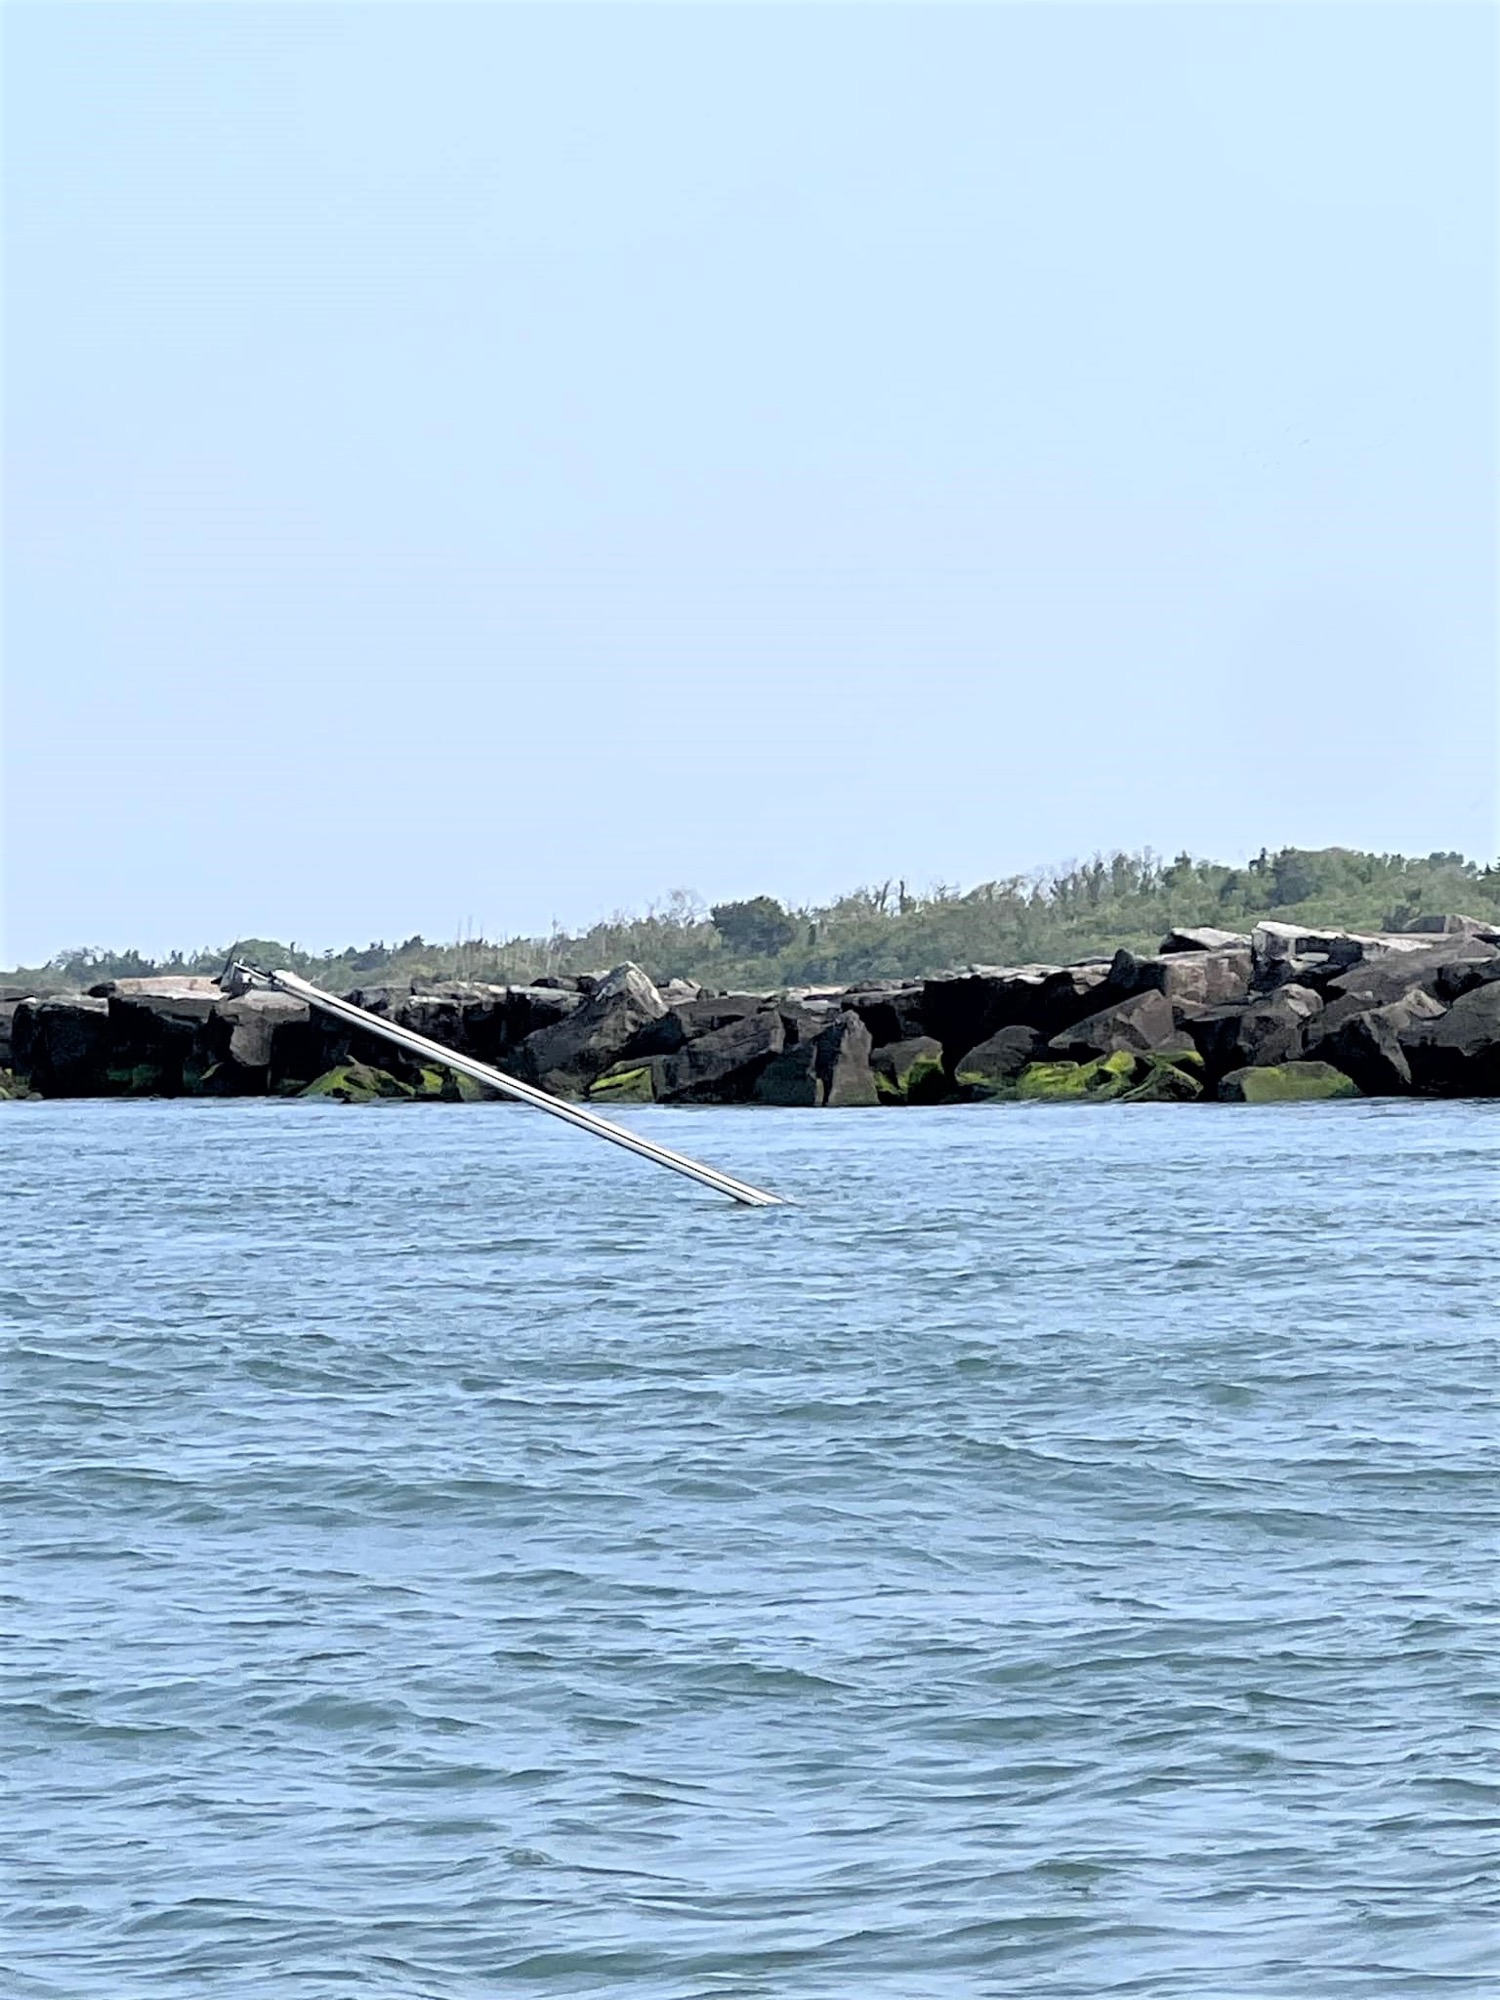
(239,978)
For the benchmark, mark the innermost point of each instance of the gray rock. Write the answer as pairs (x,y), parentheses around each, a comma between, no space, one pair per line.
(1266,1031)
(1458,1055)
(1205,938)
(1142,1023)
(843,1061)
(1367,1044)
(994,1065)
(1445,968)
(1201,978)
(1455,926)
(596,1034)
(832,1069)
(252,1021)
(689,1019)
(724,1064)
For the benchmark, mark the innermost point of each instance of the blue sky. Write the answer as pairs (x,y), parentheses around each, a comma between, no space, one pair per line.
(490,464)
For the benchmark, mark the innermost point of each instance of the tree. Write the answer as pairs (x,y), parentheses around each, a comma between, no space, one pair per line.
(757,929)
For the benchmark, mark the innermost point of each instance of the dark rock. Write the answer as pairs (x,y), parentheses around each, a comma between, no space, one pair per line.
(964,1009)
(832,1069)
(594,1036)
(61,1045)
(891,1013)
(1458,1055)
(1265,1031)
(529,1009)
(1447,968)
(1144,1022)
(790,1079)
(1204,939)
(724,1064)
(804,1021)
(689,1019)
(1366,1044)
(990,1069)
(473,1017)
(911,1072)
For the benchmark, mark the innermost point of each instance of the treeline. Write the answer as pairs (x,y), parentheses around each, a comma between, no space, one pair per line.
(886,931)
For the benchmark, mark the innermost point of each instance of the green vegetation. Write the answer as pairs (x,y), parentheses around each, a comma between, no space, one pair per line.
(1287,1083)
(885,932)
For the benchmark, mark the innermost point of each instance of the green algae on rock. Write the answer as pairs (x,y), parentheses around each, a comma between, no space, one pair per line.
(629,1083)
(1286,1083)
(908,1072)
(356,1083)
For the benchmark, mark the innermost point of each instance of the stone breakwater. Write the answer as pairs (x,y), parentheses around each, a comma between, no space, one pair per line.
(1285,1013)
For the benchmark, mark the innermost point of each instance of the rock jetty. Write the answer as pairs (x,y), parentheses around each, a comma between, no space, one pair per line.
(1283,1014)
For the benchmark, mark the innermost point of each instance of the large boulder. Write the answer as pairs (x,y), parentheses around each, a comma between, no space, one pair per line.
(1191,978)
(1458,1055)
(1285,1083)
(1444,969)
(687,1019)
(721,1066)
(991,1069)
(1272,1029)
(1366,1044)
(843,1059)
(61,1045)
(1144,1022)
(911,1072)
(569,1055)
(832,1069)
(243,1036)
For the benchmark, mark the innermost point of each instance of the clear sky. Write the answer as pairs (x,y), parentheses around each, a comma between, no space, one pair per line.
(493,463)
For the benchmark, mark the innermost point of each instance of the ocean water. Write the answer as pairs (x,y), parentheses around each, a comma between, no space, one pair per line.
(447,1557)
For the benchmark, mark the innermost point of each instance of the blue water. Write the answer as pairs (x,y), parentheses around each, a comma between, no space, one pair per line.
(451,1558)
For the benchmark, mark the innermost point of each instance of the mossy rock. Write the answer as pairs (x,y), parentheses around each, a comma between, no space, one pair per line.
(1094,1082)
(1287,1083)
(909,1072)
(356,1083)
(632,1083)
(461,1089)
(1167,1080)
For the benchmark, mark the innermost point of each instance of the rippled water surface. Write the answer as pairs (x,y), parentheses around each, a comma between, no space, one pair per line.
(449,1557)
